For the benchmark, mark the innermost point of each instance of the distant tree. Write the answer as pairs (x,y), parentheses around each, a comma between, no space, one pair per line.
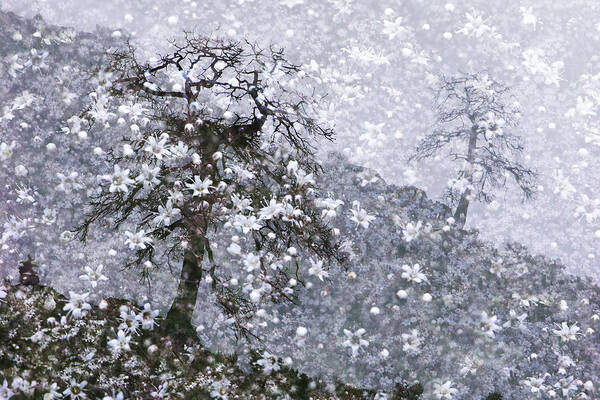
(221,140)
(27,273)
(475,124)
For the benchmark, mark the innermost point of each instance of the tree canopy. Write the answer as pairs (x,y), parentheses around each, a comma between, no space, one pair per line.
(475,125)
(219,136)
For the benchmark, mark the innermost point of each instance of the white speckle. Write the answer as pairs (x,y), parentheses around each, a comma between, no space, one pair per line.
(20,170)
(301,331)
(255,296)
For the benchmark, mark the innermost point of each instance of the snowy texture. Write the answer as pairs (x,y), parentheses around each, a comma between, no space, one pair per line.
(349,273)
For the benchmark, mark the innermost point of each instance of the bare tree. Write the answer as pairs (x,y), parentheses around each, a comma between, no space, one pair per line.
(222,141)
(475,123)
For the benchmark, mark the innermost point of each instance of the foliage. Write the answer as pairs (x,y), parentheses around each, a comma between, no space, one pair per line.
(46,351)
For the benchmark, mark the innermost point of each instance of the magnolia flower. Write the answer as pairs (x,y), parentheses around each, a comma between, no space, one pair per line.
(241,204)
(354,340)
(444,390)
(329,207)
(564,362)
(162,391)
(147,317)
(51,394)
(304,179)
(6,150)
(176,196)
(119,180)
(247,223)
(413,274)
(137,240)
(470,365)
(268,363)
(292,167)
(516,320)
(120,343)
(5,392)
(488,325)
(220,389)
(49,216)
(317,269)
(271,210)
(75,390)
(360,216)
(199,186)
(158,146)
(130,322)
(412,231)
(93,276)
(291,214)
(411,341)
(77,305)
(68,182)
(148,176)
(566,332)
(179,151)
(166,214)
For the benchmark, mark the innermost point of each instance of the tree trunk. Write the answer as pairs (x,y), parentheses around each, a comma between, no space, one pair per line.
(460,215)
(179,317)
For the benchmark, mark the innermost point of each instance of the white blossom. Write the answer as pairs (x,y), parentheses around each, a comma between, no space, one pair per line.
(93,276)
(137,240)
(360,216)
(354,340)
(77,305)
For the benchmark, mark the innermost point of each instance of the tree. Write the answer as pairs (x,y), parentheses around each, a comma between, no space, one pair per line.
(475,123)
(220,143)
